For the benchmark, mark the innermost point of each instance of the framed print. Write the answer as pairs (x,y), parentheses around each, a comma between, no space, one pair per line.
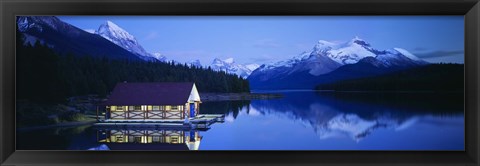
(186,82)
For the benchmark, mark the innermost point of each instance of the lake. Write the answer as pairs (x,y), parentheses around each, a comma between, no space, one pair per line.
(301,120)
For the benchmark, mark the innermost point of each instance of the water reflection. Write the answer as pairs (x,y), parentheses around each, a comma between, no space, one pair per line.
(357,115)
(299,121)
(147,139)
(230,108)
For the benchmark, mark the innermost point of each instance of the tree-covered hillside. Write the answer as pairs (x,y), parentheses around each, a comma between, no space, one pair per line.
(46,76)
(434,77)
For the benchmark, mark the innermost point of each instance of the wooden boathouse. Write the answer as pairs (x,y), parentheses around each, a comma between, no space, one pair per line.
(152,101)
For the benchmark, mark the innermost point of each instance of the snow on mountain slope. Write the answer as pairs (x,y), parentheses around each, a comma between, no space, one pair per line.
(350,52)
(65,38)
(195,63)
(229,66)
(328,56)
(25,23)
(122,38)
(114,33)
(407,54)
(159,57)
(252,66)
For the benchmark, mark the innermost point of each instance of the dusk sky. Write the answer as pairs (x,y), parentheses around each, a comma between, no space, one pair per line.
(266,39)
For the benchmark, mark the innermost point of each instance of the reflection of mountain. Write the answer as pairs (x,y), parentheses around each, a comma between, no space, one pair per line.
(357,116)
(350,125)
(148,139)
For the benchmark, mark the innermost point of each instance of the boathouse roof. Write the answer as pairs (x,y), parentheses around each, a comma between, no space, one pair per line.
(158,93)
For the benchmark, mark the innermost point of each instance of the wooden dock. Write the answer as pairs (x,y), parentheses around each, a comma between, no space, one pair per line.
(202,121)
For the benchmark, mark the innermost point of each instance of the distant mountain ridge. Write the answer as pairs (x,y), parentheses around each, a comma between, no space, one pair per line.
(328,61)
(109,40)
(229,66)
(67,39)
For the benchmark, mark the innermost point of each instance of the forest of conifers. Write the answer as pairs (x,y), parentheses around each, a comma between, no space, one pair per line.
(43,75)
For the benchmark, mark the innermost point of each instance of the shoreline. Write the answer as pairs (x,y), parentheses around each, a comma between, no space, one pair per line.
(65,124)
(238,96)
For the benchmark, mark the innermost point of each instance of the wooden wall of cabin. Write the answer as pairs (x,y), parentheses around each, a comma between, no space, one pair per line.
(146,112)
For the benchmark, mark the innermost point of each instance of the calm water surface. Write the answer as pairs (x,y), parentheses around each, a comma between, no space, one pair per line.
(303,120)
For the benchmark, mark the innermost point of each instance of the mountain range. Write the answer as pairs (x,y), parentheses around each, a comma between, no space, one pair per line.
(229,66)
(122,38)
(67,39)
(109,40)
(329,62)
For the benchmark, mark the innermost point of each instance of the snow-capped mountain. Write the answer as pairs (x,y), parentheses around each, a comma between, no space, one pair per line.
(49,29)
(229,66)
(159,56)
(345,53)
(195,63)
(122,38)
(252,66)
(326,57)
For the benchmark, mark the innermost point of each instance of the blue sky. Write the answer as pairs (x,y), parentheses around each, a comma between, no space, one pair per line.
(265,39)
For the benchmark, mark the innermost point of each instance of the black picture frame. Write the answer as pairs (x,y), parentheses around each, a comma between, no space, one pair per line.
(10,8)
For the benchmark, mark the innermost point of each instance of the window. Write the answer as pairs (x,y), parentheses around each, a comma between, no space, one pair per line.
(174,107)
(156,108)
(113,108)
(138,139)
(168,108)
(119,108)
(138,108)
(130,108)
(149,107)
(119,139)
(163,108)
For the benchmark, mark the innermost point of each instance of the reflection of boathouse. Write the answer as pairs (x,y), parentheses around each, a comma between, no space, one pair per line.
(153,101)
(148,139)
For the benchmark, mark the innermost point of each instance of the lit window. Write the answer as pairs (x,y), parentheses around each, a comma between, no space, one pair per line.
(130,108)
(174,107)
(138,108)
(113,108)
(156,108)
(119,108)
(168,107)
(149,107)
